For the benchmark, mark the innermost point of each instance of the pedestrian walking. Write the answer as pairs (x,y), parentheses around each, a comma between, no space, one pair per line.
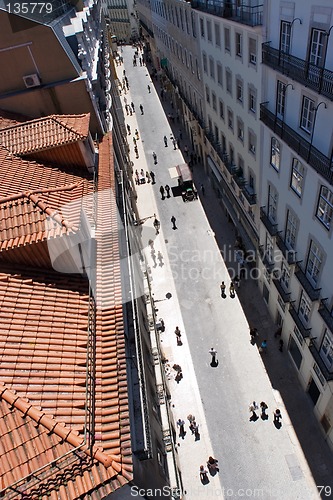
(191,418)
(203,474)
(178,336)
(252,408)
(232,289)
(152,175)
(202,188)
(162,192)
(277,417)
(237,280)
(180,424)
(253,335)
(263,347)
(130,110)
(156,225)
(134,141)
(136,134)
(174,142)
(212,464)
(137,178)
(155,158)
(167,189)
(222,287)
(126,109)
(263,408)
(136,151)
(281,345)
(196,431)
(213,353)
(165,141)
(141,109)
(173,221)
(132,106)
(186,150)
(148,87)
(160,258)
(129,130)
(147,177)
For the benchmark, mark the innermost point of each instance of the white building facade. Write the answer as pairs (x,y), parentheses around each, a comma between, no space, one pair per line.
(297,190)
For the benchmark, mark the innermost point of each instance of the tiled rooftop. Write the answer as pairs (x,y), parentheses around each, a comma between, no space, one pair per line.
(44,133)
(8,119)
(43,349)
(32,194)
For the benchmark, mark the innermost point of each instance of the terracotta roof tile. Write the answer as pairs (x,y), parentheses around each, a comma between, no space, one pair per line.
(44,133)
(43,351)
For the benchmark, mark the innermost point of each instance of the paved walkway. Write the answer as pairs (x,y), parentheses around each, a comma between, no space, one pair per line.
(303,431)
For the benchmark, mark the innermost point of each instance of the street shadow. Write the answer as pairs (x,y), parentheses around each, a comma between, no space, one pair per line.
(254,417)
(204,479)
(278,425)
(215,363)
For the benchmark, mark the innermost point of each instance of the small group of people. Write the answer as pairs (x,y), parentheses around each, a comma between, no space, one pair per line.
(140,178)
(253,407)
(213,468)
(166,189)
(232,290)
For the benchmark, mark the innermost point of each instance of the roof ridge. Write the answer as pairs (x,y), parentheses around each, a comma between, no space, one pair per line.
(66,126)
(64,187)
(58,428)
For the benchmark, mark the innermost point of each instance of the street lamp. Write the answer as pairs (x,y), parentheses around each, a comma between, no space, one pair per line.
(326,33)
(284,99)
(313,126)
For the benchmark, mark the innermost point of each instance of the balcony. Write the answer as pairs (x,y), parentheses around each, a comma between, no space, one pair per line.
(244,14)
(265,259)
(325,314)
(239,179)
(316,356)
(249,194)
(318,79)
(271,228)
(293,313)
(312,292)
(289,255)
(283,294)
(321,163)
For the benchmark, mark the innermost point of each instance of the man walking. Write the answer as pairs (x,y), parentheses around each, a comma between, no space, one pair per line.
(162,192)
(152,175)
(148,87)
(167,189)
(155,158)
(165,141)
(141,109)
(173,221)
(222,287)
(213,353)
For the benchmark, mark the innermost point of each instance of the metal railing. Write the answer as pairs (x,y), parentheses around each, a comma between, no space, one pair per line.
(321,163)
(318,79)
(244,14)
(318,359)
(289,255)
(311,291)
(305,332)
(325,314)
(271,228)
(284,295)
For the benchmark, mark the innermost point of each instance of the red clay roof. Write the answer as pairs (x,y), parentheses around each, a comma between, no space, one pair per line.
(43,352)
(44,133)
(31,195)
(8,119)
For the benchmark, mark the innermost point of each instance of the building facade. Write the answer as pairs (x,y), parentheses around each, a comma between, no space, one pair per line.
(297,195)
(122,19)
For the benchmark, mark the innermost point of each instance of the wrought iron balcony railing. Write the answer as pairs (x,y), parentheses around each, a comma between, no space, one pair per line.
(321,163)
(284,295)
(318,79)
(318,359)
(265,259)
(294,314)
(289,255)
(244,14)
(325,314)
(312,292)
(271,228)
(250,194)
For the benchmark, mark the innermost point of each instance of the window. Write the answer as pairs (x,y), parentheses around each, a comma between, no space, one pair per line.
(317,47)
(280,99)
(239,90)
(214,101)
(252,100)
(230,119)
(216,133)
(315,260)
(252,142)
(304,308)
(228,76)
(207,95)
(269,248)
(297,177)
(217,35)
(291,230)
(285,275)
(326,350)
(253,51)
(307,115)
(238,44)
(272,204)
(202,28)
(194,29)
(227,39)
(240,129)
(211,68)
(219,73)
(325,206)
(275,153)
(186,22)
(221,105)
(210,126)
(209,31)
(285,31)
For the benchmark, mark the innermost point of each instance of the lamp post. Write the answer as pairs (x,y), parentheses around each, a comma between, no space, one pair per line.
(284,101)
(314,124)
